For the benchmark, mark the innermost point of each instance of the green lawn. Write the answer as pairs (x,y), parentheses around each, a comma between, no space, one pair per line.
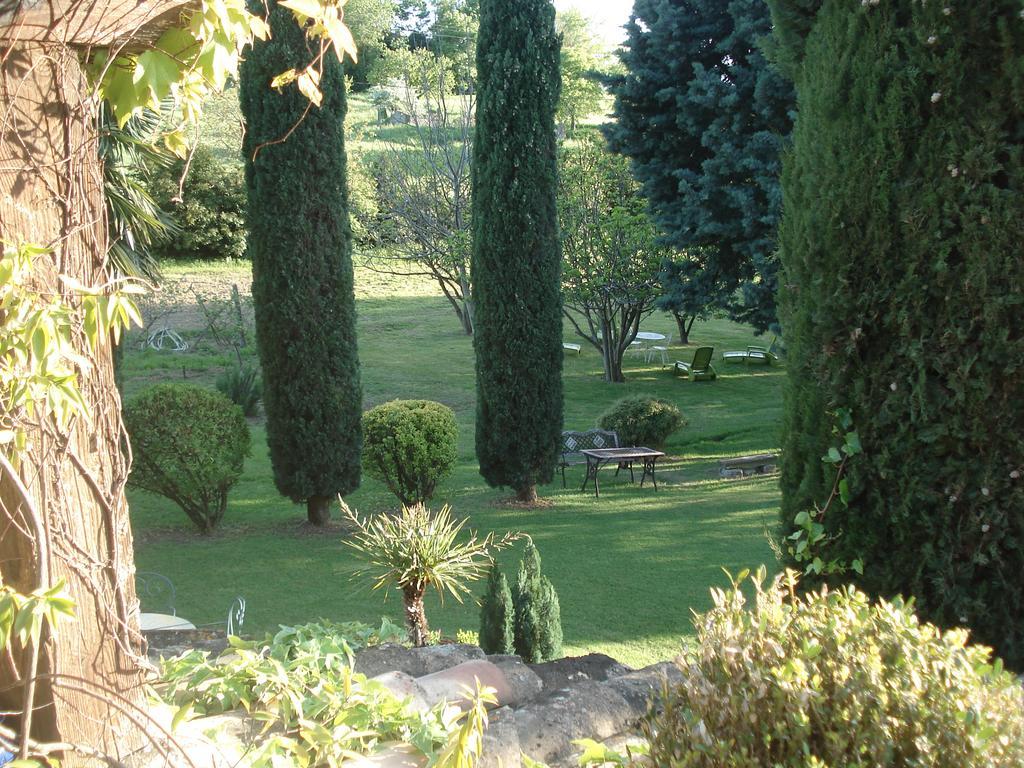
(629,567)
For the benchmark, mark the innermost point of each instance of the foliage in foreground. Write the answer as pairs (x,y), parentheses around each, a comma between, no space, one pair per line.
(316,710)
(410,445)
(642,421)
(418,549)
(189,445)
(537,631)
(300,243)
(902,295)
(516,253)
(832,679)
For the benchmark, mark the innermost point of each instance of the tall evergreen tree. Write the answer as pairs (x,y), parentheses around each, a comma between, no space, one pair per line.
(516,257)
(497,615)
(900,243)
(704,116)
(300,246)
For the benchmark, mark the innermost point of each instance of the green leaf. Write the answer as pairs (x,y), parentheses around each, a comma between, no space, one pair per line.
(308,8)
(844,491)
(833,456)
(183,714)
(157,72)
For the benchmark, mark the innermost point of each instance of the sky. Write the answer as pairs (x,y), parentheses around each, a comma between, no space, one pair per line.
(608,16)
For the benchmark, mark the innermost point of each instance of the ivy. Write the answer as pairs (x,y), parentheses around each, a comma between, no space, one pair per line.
(39,362)
(809,542)
(189,62)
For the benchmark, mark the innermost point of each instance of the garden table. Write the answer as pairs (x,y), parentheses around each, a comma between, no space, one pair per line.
(650,336)
(624,457)
(150,622)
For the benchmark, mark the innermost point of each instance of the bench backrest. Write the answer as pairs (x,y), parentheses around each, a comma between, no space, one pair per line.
(574,442)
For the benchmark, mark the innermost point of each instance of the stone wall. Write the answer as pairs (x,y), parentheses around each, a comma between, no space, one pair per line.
(542,708)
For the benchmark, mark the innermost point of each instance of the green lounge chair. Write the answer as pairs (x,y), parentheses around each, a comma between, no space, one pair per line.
(754,354)
(700,369)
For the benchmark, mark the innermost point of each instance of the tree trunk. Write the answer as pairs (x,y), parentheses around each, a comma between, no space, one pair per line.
(684,324)
(90,683)
(527,494)
(612,362)
(415,614)
(318,510)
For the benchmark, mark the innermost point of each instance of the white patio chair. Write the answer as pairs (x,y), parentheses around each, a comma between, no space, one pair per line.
(660,350)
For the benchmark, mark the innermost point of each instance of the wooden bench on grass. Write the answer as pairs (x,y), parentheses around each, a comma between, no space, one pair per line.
(741,466)
(574,443)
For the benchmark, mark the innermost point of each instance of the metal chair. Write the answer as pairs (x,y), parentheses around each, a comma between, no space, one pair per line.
(155,592)
(661,350)
(236,615)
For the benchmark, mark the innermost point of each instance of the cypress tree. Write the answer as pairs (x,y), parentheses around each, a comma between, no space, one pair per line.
(704,117)
(550,614)
(300,246)
(900,243)
(497,615)
(538,621)
(516,255)
(527,615)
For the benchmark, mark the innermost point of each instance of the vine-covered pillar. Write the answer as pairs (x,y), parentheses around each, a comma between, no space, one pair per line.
(64,516)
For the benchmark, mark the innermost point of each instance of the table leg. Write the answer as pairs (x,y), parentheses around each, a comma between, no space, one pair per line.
(649,470)
(593,466)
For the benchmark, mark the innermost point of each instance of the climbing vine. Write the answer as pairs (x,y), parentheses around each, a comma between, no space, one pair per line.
(189,62)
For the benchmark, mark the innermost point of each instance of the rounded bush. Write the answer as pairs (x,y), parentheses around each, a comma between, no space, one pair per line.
(188,444)
(208,208)
(642,421)
(831,679)
(409,445)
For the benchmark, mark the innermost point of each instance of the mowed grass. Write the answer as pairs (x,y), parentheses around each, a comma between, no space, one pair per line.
(629,567)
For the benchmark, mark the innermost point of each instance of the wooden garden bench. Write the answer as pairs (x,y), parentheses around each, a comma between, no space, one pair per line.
(574,443)
(741,466)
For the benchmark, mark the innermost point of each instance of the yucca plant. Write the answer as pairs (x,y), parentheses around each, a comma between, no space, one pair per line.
(243,386)
(419,549)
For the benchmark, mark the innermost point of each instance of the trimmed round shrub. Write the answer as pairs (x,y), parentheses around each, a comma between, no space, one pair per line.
(409,445)
(642,421)
(188,444)
(829,678)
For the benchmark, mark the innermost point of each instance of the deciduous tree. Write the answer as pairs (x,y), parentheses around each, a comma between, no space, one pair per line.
(611,250)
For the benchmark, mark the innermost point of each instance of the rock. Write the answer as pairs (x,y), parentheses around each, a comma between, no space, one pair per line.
(457,684)
(395,756)
(637,688)
(413,661)
(404,686)
(525,684)
(501,741)
(562,672)
(437,657)
(589,709)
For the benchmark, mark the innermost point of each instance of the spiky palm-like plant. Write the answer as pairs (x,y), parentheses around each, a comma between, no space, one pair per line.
(419,549)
